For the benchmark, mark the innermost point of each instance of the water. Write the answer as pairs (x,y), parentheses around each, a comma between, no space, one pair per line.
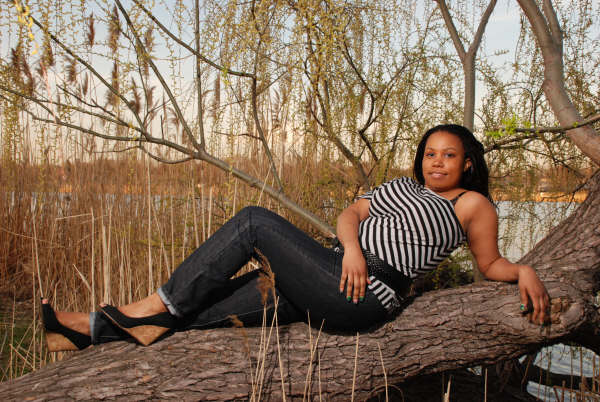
(568,360)
(521,226)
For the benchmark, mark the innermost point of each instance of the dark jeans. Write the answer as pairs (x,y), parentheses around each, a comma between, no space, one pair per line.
(307,277)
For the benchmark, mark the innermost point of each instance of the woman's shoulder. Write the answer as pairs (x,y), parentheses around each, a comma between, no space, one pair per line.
(474,199)
(474,204)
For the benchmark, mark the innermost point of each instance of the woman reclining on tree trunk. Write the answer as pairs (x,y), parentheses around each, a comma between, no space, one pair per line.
(388,237)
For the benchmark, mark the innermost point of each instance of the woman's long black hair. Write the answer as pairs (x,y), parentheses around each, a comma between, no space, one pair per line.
(476,177)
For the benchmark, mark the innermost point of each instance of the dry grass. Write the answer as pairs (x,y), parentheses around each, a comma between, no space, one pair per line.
(114,230)
(95,227)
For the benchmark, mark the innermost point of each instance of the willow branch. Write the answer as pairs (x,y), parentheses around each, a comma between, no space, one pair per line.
(92,105)
(42,102)
(160,78)
(254,98)
(370,120)
(510,142)
(199,74)
(555,129)
(261,136)
(144,135)
(85,64)
(187,47)
(324,105)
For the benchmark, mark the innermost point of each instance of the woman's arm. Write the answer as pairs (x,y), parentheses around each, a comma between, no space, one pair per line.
(482,230)
(354,267)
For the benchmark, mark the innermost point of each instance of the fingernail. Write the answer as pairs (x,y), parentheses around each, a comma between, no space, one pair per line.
(348,298)
(355,301)
(362,299)
(522,307)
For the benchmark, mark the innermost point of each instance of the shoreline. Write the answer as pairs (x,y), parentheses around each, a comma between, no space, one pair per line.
(543,196)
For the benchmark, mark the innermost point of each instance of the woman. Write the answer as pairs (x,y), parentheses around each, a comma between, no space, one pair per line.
(391,235)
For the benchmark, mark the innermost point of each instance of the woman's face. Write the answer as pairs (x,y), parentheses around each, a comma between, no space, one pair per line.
(443,162)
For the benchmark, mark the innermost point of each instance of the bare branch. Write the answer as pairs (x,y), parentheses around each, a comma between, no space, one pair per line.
(553,23)
(481,28)
(467,58)
(144,136)
(458,45)
(584,137)
(163,160)
(60,104)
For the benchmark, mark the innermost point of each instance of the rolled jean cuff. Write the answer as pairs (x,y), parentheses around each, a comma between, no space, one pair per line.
(165,299)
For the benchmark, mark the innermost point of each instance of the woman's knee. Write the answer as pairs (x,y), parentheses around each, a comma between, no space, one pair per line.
(248,212)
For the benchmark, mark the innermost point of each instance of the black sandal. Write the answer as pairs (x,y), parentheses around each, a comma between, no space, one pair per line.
(146,329)
(59,337)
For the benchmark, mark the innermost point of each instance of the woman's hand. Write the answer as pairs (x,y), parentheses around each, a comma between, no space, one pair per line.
(354,267)
(532,288)
(354,274)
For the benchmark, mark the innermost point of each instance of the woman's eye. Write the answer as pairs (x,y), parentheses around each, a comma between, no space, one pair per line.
(450,155)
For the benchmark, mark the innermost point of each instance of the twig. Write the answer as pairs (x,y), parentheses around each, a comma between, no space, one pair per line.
(556,129)
(384,373)
(355,366)
(186,46)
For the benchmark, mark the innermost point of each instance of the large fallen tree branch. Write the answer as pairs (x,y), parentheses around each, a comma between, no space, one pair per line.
(441,330)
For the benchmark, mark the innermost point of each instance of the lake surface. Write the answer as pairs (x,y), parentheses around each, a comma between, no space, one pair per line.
(521,226)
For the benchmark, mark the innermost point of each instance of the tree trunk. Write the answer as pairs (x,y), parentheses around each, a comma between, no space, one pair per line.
(439,331)
(549,36)
(467,57)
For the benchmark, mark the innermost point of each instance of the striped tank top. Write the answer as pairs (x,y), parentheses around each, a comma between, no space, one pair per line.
(409,227)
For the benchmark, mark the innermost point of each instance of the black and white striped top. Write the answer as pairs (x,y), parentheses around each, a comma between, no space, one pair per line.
(409,227)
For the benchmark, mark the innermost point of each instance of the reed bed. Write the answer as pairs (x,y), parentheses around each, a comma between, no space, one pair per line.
(114,229)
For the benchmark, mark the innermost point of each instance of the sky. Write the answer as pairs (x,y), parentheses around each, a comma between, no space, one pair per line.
(501,34)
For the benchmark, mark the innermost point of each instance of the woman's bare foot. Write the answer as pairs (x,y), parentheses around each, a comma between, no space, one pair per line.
(79,322)
(146,307)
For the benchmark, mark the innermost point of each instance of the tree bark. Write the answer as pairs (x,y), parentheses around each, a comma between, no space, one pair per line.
(439,331)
